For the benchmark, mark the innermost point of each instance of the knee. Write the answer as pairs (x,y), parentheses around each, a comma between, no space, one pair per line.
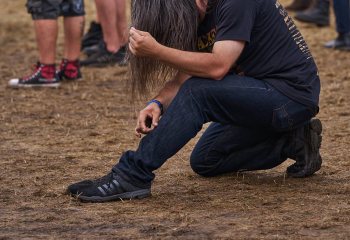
(201,167)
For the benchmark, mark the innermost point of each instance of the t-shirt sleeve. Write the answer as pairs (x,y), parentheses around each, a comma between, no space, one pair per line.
(235,20)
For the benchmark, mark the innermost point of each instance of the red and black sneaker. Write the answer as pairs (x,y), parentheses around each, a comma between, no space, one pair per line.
(69,70)
(44,75)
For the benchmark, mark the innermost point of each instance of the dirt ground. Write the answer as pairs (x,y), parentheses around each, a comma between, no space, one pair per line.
(53,137)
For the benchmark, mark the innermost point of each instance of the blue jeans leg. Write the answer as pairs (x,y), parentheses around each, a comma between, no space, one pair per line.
(342,13)
(229,148)
(234,100)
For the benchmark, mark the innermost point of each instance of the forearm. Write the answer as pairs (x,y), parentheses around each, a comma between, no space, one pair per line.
(169,91)
(213,65)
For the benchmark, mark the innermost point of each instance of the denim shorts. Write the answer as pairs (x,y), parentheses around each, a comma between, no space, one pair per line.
(52,9)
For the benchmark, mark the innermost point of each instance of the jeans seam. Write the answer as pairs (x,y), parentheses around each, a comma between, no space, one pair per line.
(290,121)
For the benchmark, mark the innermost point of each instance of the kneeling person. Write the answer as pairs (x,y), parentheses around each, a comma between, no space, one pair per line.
(240,64)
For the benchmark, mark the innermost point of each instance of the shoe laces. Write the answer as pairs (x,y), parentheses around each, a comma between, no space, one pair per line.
(36,70)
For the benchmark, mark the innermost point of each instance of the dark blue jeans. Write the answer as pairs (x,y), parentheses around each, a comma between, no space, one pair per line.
(251,129)
(342,13)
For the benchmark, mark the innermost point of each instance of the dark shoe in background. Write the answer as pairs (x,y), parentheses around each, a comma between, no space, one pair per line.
(342,42)
(107,188)
(104,58)
(88,51)
(93,36)
(307,142)
(318,14)
(69,70)
(299,5)
(44,75)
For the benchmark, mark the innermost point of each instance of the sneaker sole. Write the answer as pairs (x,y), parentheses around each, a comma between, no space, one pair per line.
(140,194)
(315,144)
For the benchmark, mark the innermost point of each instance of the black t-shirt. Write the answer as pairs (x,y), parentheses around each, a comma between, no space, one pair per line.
(275,51)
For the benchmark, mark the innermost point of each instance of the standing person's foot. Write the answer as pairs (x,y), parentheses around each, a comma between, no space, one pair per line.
(307,147)
(44,75)
(107,188)
(299,5)
(342,42)
(93,36)
(103,57)
(88,51)
(69,70)
(318,14)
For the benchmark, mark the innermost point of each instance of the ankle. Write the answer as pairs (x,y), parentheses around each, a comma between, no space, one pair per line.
(111,48)
(48,71)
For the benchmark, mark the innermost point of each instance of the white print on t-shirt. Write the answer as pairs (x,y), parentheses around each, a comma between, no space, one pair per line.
(298,38)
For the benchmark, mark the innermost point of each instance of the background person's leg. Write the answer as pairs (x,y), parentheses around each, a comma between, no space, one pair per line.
(342,16)
(110,51)
(122,25)
(46,31)
(234,100)
(107,13)
(227,148)
(44,14)
(73,29)
(342,13)
(70,65)
(73,12)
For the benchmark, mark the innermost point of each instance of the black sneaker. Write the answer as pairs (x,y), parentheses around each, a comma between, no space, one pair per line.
(342,42)
(44,75)
(88,51)
(108,188)
(104,58)
(299,5)
(308,158)
(318,14)
(93,36)
(69,70)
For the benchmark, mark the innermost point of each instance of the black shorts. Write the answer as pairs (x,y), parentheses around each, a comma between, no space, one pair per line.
(52,9)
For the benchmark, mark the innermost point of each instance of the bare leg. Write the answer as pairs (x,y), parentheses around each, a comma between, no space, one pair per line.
(46,32)
(73,30)
(122,25)
(107,13)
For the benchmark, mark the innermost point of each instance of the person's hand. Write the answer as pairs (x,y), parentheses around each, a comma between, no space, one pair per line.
(142,44)
(148,119)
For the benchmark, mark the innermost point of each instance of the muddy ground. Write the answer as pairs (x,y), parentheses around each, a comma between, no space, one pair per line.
(53,137)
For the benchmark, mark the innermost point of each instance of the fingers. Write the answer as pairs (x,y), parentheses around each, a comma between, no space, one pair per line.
(134,42)
(155,119)
(144,124)
(136,35)
(132,46)
(139,32)
(147,122)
